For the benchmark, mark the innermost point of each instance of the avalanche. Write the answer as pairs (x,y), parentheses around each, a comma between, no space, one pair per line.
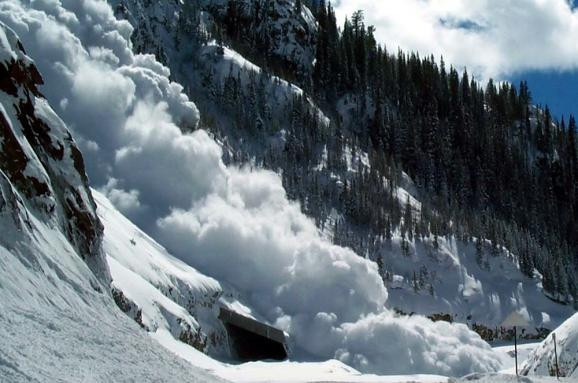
(233,224)
(443,276)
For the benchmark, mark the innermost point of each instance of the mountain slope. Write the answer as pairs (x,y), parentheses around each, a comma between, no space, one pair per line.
(471,270)
(168,298)
(41,160)
(144,151)
(57,319)
(138,132)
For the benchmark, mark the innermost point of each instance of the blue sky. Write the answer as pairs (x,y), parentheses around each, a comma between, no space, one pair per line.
(557,89)
(536,40)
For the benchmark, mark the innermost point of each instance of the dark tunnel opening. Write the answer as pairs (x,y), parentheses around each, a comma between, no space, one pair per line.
(249,346)
(252,340)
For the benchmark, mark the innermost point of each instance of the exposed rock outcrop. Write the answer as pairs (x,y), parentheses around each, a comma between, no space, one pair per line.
(39,158)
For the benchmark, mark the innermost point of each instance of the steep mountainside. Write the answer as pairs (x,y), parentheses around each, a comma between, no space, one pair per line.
(282,33)
(169,299)
(138,132)
(56,308)
(438,255)
(361,155)
(42,169)
(278,32)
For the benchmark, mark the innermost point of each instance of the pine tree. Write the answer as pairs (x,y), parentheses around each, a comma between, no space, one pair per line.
(469,147)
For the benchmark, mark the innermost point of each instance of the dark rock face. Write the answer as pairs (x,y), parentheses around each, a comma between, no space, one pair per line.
(14,161)
(39,158)
(193,338)
(128,307)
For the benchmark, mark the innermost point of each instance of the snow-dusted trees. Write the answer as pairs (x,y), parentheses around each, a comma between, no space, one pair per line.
(471,149)
(489,166)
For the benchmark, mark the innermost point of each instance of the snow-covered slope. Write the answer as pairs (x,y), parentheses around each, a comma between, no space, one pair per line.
(220,80)
(542,360)
(450,277)
(236,225)
(289,34)
(58,321)
(168,298)
(443,277)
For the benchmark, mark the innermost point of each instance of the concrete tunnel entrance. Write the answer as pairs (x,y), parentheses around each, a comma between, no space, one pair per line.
(251,340)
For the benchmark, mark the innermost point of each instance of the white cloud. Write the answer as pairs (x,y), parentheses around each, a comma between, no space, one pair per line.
(233,224)
(493,38)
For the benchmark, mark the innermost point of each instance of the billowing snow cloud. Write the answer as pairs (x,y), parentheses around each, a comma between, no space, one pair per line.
(233,224)
(493,38)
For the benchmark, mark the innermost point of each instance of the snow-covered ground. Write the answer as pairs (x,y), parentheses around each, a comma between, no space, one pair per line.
(330,371)
(54,327)
(286,371)
(502,378)
(507,353)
